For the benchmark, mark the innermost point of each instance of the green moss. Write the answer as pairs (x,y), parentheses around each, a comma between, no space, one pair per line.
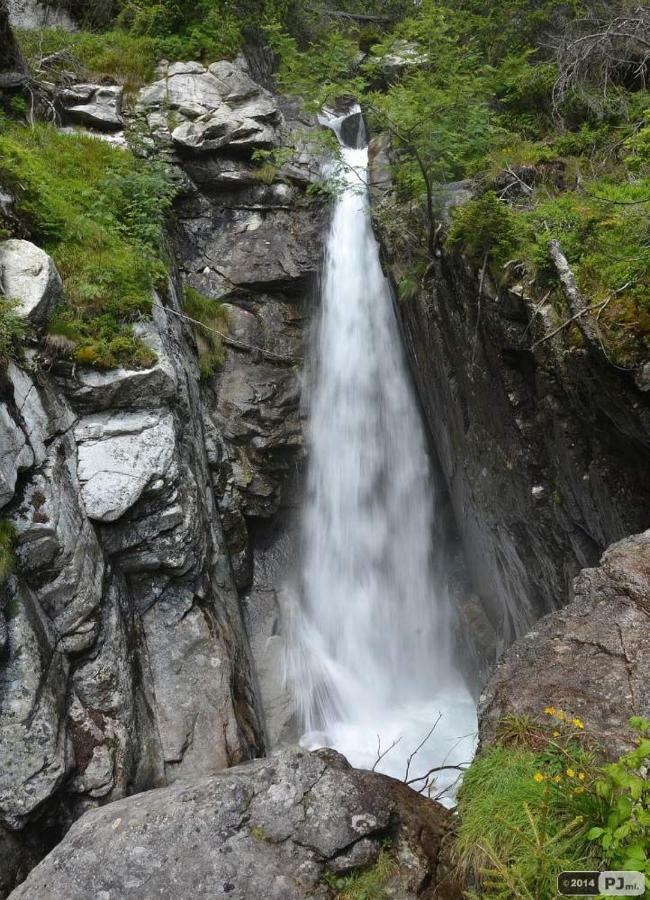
(99,211)
(214,317)
(13,331)
(7,558)
(373,883)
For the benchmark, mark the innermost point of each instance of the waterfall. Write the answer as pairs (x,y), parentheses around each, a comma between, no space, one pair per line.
(370,650)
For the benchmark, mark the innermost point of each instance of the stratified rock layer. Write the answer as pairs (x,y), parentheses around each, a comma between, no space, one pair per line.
(591,658)
(270,829)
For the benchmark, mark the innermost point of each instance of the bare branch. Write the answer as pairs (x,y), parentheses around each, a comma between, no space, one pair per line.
(381,755)
(419,747)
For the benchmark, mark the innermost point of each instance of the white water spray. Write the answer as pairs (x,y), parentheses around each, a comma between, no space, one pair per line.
(370,643)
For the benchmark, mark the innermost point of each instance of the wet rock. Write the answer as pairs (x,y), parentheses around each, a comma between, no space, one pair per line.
(95,105)
(271,828)
(28,275)
(591,658)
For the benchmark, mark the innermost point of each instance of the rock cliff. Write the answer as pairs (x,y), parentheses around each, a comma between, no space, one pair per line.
(125,663)
(544,450)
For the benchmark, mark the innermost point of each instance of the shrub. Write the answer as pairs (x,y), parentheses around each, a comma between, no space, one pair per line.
(214,317)
(100,212)
(13,331)
(485,227)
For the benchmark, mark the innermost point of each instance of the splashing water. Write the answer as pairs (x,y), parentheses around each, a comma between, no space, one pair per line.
(370,648)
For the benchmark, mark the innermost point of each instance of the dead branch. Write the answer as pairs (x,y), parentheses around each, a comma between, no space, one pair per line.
(419,747)
(460,768)
(381,755)
(603,48)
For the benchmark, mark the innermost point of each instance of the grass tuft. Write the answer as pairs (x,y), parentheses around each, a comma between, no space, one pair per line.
(99,212)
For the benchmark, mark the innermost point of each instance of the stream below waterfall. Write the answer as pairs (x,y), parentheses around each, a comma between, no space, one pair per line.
(371,654)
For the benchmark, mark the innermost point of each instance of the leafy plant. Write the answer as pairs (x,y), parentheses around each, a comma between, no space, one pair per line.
(624,836)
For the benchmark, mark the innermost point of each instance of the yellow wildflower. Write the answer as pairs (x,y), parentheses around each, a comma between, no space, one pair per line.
(577,723)
(556,734)
(549,710)
(571,773)
(538,777)
(559,715)
(557,779)
(581,776)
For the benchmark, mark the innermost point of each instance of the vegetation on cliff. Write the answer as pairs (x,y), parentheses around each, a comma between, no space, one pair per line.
(542,105)
(99,212)
(537,802)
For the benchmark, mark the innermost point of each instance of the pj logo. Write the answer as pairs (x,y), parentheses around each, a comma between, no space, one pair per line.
(592,884)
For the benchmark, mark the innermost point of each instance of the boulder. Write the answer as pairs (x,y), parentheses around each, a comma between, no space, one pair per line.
(203,110)
(274,828)
(591,658)
(119,455)
(28,275)
(96,105)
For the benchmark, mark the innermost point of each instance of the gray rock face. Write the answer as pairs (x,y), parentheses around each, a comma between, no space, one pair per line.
(202,110)
(98,106)
(126,660)
(544,450)
(272,828)
(591,658)
(138,495)
(32,14)
(28,274)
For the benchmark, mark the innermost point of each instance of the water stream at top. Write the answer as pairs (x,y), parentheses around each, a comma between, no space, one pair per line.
(370,648)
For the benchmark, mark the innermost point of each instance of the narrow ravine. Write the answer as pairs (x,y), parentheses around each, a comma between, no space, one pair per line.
(370,654)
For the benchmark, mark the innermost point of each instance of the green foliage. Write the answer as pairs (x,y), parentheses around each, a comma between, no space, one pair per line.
(624,836)
(7,541)
(536,802)
(323,72)
(372,883)
(128,58)
(13,331)
(99,211)
(485,227)
(213,316)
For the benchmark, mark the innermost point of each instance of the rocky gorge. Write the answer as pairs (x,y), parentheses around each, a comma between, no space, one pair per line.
(155,510)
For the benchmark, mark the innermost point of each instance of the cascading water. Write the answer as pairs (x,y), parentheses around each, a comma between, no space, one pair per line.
(370,637)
